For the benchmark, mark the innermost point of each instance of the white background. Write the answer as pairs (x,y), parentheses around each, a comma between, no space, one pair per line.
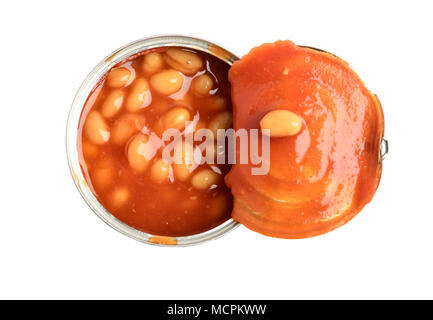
(53,246)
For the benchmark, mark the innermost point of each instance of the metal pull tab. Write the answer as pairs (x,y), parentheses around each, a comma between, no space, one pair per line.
(384,148)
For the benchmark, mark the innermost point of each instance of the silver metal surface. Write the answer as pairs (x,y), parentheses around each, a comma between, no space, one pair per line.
(384,148)
(72,129)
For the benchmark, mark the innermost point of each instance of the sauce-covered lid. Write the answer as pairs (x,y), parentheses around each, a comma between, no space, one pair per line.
(325,131)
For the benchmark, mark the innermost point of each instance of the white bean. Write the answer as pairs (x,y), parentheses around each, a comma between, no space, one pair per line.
(120,197)
(102,175)
(223,120)
(183,60)
(160,171)
(113,103)
(205,179)
(281,123)
(167,82)
(183,163)
(139,153)
(124,127)
(175,118)
(202,85)
(140,96)
(119,77)
(216,103)
(96,129)
(152,62)
(90,151)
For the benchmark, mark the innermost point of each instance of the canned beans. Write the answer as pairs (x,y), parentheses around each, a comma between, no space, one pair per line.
(175,118)
(219,205)
(216,104)
(202,85)
(139,153)
(152,62)
(96,129)
(119,77)
(140,96)
(119,197)
(125,126)
(112,103)
(90,151)
(183,60)
(281,123)
(204,179)
(121,141)
(223,120)
(184,160)
(103,174)
(160,171)
(167,82)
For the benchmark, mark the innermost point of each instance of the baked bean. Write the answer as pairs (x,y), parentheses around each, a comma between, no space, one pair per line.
(181,171)
(96,129)
(201,85)
(215,103)
(90,151)
(167,82)
(281,123)
(139,153)
(183,60)
(120,197)
(219,206)
(140,96)
(103,175)
(222,120)
(175,118)
(152,62)
(182,166)
(119,77)
(204,179)
(112,103)
(124,127)
(160,171)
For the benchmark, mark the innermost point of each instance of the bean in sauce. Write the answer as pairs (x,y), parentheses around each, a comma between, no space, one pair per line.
(120,141)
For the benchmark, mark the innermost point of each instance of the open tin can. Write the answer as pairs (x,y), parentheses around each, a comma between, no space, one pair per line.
(71,136)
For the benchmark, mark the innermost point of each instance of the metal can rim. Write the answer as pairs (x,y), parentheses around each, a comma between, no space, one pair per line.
(72,126)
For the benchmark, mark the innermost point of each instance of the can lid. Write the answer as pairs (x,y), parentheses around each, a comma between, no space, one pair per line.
(319,157)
